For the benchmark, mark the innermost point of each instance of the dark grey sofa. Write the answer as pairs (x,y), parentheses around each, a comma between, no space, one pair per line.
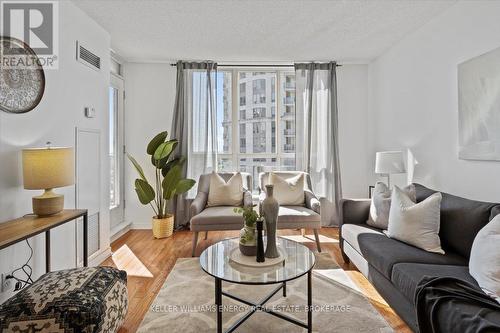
(395,268)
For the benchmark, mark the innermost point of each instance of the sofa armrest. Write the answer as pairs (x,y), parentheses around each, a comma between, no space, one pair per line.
(199,203)
(354,211)
(247,199)
(312,202)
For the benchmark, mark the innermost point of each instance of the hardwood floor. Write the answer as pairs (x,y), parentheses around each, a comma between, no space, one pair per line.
(159,256)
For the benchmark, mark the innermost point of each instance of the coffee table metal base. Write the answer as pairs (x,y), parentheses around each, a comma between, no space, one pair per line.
(260,306)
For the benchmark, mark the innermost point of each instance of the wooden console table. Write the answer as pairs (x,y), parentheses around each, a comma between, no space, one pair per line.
(15,231)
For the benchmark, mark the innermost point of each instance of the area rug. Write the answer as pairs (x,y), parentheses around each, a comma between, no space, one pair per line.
(185,303)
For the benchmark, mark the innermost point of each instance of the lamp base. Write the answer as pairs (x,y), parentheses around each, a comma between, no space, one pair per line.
(49,203)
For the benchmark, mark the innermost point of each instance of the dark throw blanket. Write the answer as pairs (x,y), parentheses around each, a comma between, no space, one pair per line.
(446,305)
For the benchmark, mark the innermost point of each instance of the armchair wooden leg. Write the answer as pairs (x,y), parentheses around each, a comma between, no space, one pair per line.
(318,245)
(195,241)
(206,235)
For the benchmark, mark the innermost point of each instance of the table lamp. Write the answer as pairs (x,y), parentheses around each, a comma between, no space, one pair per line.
(46,169)
(389,162)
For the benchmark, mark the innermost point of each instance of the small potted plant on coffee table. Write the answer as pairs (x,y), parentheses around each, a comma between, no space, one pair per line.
(248,236)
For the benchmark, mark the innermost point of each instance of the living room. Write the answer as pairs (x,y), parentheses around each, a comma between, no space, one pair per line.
(220,166)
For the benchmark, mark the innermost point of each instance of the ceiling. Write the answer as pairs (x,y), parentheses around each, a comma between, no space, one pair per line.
(259,30)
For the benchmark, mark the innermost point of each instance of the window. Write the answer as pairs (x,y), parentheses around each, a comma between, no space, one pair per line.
(259,113)
(273,90)
(259,137)
(289,146)
(259,90)
(264,131)
(114,188)
(243,138)
(225,124)
(273,136)
(243,92)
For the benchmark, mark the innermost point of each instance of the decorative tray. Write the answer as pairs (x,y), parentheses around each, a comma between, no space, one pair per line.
(237,257)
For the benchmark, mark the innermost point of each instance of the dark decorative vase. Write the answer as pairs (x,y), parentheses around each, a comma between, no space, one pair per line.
(260,242)
(270,209)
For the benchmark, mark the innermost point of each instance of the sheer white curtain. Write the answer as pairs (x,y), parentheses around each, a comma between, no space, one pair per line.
(201,108)
(194,125)
(317,133)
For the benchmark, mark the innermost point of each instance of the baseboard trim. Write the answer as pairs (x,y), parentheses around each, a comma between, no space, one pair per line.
(97,258)
(120,230)
(141,226)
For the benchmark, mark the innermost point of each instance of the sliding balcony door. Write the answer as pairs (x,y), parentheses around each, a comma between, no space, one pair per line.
(116,152)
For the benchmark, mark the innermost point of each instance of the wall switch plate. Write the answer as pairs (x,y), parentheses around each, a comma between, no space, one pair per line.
(6,284)
(89,112)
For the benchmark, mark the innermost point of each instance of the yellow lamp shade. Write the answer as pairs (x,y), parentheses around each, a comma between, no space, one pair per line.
(47,168)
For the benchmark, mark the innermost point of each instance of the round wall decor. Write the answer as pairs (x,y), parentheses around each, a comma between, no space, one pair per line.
(22,80)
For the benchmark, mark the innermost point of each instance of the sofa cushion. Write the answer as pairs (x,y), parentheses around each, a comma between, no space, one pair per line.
(416,224)
(383,252)
(288,191)
(484,263)
(406,276)
(350,233)
(380,205)
(461,220)
(225,193)
(87,299)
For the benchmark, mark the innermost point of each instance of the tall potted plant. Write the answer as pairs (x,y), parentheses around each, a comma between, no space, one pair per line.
(168,182)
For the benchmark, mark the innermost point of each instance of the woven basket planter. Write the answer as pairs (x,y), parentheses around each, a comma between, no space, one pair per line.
(163,228)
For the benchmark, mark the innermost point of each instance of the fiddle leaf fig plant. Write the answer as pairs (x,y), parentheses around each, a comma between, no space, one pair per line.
(168,180)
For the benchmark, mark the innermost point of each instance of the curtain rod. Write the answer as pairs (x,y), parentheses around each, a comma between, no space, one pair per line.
(230,65)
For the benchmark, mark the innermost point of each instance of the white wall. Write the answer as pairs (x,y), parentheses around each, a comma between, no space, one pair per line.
(150,96)
(67,91)
(413,98)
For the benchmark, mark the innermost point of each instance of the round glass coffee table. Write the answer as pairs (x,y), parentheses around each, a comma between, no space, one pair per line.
(299,261)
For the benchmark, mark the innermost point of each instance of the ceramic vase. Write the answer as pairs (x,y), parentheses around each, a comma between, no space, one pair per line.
(270,209)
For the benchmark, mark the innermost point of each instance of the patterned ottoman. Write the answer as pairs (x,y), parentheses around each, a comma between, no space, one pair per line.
(88,299)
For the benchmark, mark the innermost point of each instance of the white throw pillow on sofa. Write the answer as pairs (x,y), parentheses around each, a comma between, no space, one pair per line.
(288,192)
(380,205)
(484,262)
(221,193)
(416,223)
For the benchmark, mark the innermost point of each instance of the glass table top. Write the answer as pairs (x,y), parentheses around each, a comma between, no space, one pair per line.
(215,260)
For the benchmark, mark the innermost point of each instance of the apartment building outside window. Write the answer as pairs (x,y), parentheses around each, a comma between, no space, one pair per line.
(258,133)
(259,91)
(243,101)
(259,113)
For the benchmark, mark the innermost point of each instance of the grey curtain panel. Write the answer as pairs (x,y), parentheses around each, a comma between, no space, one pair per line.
(317,148)
(194,125)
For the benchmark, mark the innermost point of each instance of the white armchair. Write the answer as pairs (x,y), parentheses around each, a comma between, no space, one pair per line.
(218,218)
(301,217)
